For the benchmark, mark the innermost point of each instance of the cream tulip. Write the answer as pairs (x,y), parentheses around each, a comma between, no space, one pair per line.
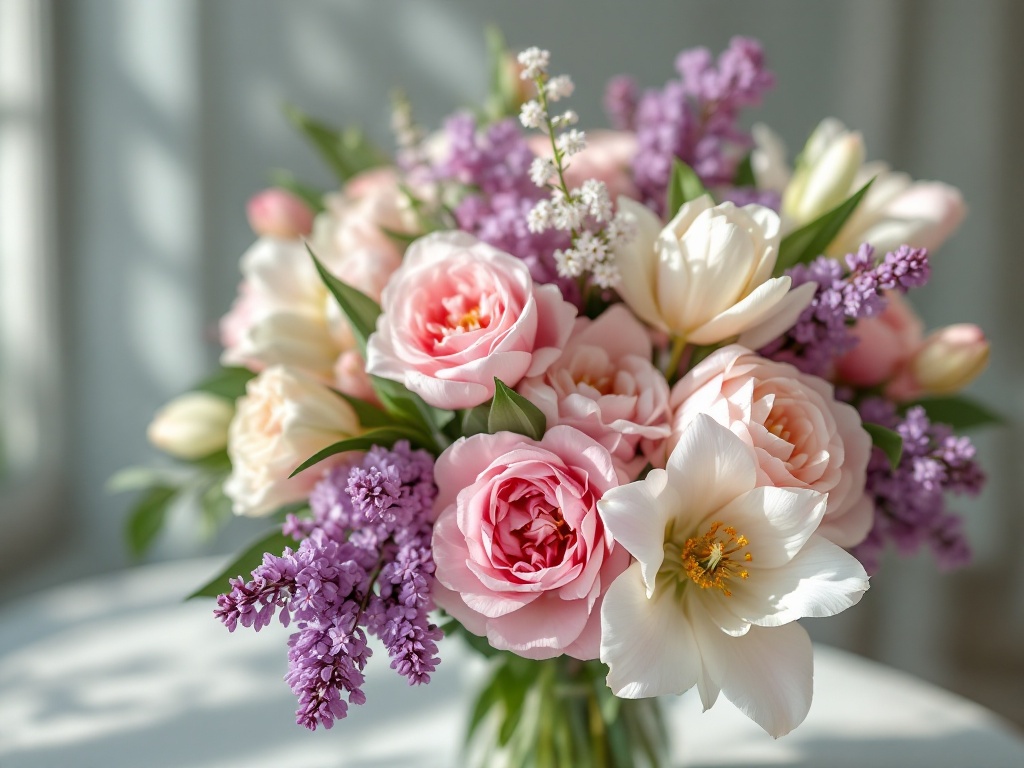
(950,359)
(191,426)
(825,172)
(707,276)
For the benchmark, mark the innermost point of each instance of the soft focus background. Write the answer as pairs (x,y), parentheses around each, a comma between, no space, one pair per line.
(133,131)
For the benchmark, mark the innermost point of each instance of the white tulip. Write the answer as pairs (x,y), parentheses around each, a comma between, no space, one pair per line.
(284,418)
(707,276)
(191,426)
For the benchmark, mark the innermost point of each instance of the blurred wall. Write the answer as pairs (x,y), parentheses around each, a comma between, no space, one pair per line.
(169,118)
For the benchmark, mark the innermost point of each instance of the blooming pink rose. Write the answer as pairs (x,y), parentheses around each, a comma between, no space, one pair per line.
(884,344)
(605,386)
(608,157)
(521,553)
(459,313)
(802,437)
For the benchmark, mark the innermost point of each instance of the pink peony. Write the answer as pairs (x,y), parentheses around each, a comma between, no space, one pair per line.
(884,344)
(608,157)
(521,552)
(802,437)
(605,386)
(459,313)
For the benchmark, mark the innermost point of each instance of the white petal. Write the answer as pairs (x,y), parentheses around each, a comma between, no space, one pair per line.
(822,580)
(753,309)
(647,643)
(767,673)
(784,317)
(710,467)
(776,521)
(637,262)
(635,514)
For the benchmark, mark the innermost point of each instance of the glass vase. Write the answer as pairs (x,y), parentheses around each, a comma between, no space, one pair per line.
(557,713)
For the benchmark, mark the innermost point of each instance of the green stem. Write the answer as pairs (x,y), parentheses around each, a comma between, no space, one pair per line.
(675,358)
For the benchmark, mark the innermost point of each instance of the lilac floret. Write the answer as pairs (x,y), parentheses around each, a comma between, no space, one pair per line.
(492,166)
(910,500)
(847,291)
(363,566)
(696,118)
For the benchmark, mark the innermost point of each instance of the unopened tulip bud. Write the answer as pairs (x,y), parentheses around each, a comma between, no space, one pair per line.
(950,359)
(278,213)
(192,426)
(825,173)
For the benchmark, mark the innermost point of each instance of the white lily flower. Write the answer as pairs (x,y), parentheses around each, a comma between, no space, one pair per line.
(723,570)
(707,275)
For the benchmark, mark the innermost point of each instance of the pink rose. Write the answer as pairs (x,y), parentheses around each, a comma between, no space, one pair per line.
(884,344)
(802,437)
(608,157)
(459,313)
(521,553)
(605,386)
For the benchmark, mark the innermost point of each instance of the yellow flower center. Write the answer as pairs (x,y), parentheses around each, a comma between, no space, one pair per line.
(708,560)
(469,321)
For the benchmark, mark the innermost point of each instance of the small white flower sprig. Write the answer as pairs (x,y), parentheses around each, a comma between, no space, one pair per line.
(578,210)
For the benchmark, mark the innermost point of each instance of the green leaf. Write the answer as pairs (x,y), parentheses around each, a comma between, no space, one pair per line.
(347,152)
(812,240)
(511,412)
(474,421)
(745,174)
(402,239)
(274,542)
(384,437)
(138,478)
(890,442)
(314,198)
(960,412)
(146,519)
(502,92)
(410,408)
(369,415)
(228,382)
(684,186)
(360,310)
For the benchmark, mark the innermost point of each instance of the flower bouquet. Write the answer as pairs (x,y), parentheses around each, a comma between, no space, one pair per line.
(617,408)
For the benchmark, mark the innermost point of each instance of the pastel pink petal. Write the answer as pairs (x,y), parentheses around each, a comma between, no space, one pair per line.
(453,572)
(554,325)
(851,526)
(540,630)
(647,643)
(452,602)
(449,395)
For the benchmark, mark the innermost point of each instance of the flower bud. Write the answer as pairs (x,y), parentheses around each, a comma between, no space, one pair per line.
(278,213)
(825,173)
(191,426)
(950,359)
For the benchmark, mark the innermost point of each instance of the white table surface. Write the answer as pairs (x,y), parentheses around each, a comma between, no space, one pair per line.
(118,672)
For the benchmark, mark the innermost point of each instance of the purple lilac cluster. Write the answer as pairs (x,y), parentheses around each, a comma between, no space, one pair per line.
(493,166)
(845,294)
(694,118)
(910,509)
(363,566)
